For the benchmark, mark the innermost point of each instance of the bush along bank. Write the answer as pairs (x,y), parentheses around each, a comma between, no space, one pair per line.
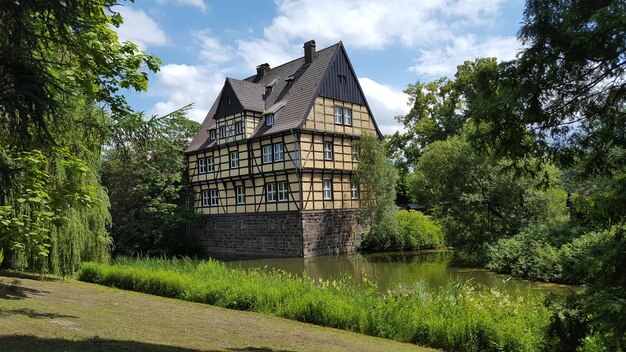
(455,317)
(412,230)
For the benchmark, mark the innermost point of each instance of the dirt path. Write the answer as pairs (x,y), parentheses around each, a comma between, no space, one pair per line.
(67,315)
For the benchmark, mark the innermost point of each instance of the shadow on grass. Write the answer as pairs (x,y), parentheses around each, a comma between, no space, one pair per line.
(33,314)
(27,275)
(34,343)
(13,289)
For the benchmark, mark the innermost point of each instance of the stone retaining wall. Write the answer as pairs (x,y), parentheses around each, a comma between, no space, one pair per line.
(292,234)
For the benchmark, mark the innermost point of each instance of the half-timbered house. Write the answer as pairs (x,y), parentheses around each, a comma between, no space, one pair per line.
(273,161)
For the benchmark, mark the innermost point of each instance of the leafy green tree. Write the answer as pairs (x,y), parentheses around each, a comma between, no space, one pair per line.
(61,74)
(376,178)
(476,199)
(144,177)
(563,100)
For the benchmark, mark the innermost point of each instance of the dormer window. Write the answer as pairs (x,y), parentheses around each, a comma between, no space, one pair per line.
(212,134)
(269,120)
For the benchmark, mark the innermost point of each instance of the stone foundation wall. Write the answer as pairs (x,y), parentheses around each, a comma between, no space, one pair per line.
(292,233)
(275,233)
(329,232)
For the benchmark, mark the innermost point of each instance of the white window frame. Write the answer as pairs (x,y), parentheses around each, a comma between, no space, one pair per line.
(206,198)
(239,127)
(283,191)
(210,165)
(214,197)
(278,152)
(328,150)
(356,153)
(338,115)
(327,189)
(354,190)
(270,192)
(347,117)
(269,119)
(223,132)
(212,134)
(241,194)
(267,151)
(201,166)
(234,159)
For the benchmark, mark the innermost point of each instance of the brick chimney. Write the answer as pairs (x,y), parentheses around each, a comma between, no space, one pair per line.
(262,69)
(309,51)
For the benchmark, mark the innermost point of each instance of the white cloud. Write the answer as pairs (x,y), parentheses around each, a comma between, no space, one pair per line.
(184,84)
(259,51)
(386,103)
(139,28)
(375,24)
(442,61)
(195,3)
(211,49)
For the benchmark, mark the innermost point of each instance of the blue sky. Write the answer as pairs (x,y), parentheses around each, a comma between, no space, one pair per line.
(391,43)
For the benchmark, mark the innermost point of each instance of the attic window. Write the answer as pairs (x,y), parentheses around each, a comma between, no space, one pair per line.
(342,79)
(212,134)
(228,100)
(269,120)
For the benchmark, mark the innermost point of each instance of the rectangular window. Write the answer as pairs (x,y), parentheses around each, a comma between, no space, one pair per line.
(270,192)
(283,191)
(223,132)
(212,134)
(355,153)
(267,154)
(239,127)
(327,186)
(269,119)
(234,159)
(278,152)
(213,197)
(354,190)
(347,117)
(328,150)
(206,198)
(210,166)
(202,166)
(338,115)
(241,195)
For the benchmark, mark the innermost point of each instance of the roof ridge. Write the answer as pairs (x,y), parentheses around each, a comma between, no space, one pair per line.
(296,59)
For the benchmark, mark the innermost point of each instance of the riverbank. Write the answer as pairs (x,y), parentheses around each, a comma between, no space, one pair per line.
(68,315)
(455,317)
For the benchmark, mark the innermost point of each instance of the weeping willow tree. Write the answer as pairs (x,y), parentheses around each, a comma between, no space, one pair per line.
(61,71)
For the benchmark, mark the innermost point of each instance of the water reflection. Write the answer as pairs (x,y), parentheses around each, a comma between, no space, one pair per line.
(388,270)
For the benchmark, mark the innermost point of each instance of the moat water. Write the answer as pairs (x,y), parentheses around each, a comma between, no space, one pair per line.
(389,270)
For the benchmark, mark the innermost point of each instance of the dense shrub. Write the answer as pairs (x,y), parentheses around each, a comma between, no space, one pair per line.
(558,253)
(412,230)
(457,317)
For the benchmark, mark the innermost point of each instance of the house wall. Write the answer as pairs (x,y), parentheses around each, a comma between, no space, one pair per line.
(322,118)
(291,234)
(255,190)
(330,232)
(274,233)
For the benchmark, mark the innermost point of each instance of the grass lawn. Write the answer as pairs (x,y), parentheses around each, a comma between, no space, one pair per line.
(67,315)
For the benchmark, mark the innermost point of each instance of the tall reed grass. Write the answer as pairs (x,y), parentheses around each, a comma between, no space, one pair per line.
(455,317)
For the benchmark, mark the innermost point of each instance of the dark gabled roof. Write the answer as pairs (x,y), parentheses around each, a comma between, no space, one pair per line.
(250,94)
(288,91)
